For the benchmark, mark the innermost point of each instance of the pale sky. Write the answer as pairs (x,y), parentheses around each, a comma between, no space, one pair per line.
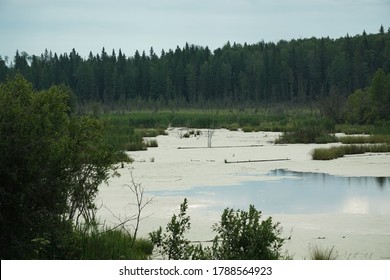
(89,25)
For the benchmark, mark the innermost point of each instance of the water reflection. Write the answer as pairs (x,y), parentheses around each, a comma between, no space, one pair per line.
(299,193)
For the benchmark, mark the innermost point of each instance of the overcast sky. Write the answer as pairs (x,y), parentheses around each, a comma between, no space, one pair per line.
(129,25)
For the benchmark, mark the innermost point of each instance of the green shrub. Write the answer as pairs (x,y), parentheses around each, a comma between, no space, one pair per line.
(172,244)
(240,235)
(51,165)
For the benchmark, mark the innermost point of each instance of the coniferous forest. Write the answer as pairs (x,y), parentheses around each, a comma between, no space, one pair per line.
(299,71)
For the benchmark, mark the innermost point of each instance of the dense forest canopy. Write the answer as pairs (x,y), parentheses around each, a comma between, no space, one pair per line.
(298,71)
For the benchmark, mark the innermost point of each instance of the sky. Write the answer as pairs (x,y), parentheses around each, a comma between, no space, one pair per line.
(89,25)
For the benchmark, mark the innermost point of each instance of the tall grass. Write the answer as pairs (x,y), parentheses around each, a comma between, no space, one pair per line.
(126,131)
(371,139)
(354,128)
(317,253)
(110,245)
(309,131)
(340,151)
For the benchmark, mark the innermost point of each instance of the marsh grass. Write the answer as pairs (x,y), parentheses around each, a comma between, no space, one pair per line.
(364,139)
(111,245)
(317,253)
(127,132)
(309,131)
(379,128)
(354,129)
(151,143)
(340,151)
(299,126)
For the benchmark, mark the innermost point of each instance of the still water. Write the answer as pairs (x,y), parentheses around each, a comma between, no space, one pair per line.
(287,192)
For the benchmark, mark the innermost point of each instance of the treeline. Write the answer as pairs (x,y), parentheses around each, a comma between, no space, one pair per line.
(298,71)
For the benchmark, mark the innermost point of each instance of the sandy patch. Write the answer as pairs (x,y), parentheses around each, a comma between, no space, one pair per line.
(168,168)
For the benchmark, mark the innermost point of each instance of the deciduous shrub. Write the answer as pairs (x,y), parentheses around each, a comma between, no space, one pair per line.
(239,235)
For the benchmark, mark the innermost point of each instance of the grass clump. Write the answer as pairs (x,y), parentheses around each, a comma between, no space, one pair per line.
(340,151)
(327,153)
(151,143)
(354,128)
(110,245)
(317,253)
(362,139)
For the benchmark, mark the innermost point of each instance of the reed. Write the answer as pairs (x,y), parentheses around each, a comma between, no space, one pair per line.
(364,139)
(340,151)
(317,253)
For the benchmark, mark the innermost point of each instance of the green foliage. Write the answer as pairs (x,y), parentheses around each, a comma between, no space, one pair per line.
(173,243)
(309,131)
(358,107)
(240,235)
(50,164)
(372,104)
(126,131)
(333,107)
(94,244)
(379,93)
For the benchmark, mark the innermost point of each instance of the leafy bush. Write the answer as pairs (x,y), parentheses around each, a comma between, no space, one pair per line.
(240,235)
(173,244)
(51,165)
